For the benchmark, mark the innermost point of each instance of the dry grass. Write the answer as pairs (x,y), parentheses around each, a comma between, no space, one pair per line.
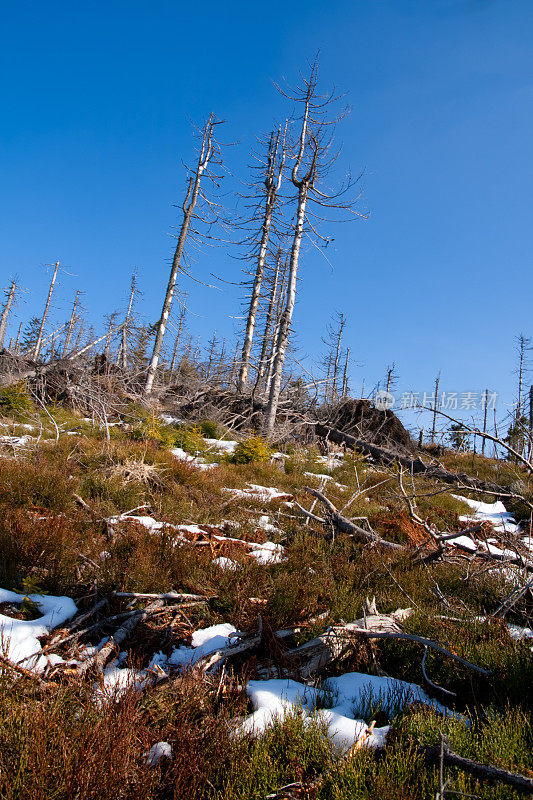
(63,746)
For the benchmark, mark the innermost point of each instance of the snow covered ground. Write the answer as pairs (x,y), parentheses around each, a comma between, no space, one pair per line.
(348,694)
(118,679)
(266,494)
(19,638)
(265,553)
(495,513)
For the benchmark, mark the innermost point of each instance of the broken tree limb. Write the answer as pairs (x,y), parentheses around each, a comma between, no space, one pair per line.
(482,772)
(344,525)
(99,659)
(243,646)
(175,596)
(307,660)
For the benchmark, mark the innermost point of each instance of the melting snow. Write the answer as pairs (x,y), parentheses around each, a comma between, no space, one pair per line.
(226,445)
(275,699)
(203,643)
(194,461)
(495,513)
(19,638)
(264,493)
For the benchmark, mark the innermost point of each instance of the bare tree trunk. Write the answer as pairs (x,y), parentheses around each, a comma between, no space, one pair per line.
(268,322)
(328,377)
(70,329)
(483,440)
(274,173)
(286,317)
(345,376)
(342,324)
(282,292)
(111,328)
(435,405)
(16,346)
(212,345)
(45,313)
(122,356)
(5,312)
(188,207)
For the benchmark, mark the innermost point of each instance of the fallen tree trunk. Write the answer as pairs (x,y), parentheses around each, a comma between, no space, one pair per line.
(443,753)
(385,456)
(344,525)
(99,659)
(308,660)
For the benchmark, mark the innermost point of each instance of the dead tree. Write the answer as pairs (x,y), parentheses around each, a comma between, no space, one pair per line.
(271,340)
(333,342)
(10,296)
(111,327)
(70,329)
(345,375)
(177,340)
(45,313)
(312,156)
(266,340)
(523,346)
(273,174)
(122,355)
(435,406)
(209,153)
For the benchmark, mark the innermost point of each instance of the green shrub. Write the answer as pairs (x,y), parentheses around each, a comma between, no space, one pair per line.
(209,428)
(153,427)
(15,400)
(252,449)
(189,439)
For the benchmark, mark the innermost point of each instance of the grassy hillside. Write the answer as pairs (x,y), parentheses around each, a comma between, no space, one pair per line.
(79,507)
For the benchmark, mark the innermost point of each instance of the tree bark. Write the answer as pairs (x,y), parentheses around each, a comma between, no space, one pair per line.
(272,184)
(188,207)
(45,313)
(5,312)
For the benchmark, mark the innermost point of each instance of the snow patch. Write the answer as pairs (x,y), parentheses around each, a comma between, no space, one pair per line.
(19,638)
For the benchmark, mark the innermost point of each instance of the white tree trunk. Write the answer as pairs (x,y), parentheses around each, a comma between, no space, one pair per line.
(188,211)
(5,312)
(272,184)
(45,313)
(286,317)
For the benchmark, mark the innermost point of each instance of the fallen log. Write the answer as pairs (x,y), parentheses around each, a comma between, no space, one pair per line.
(343,525)
(99,659)
(443,753)
(178,597)
(308,660)
(416,465)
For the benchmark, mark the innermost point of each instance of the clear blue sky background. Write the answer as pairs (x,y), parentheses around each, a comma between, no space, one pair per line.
(95,119)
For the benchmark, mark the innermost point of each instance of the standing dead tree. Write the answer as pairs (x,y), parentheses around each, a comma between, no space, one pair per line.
(10,296)
(313,157)
(270,336)
(122,355)
(335,330)
(272,169)
(45,313)
(209,154)
(71,323)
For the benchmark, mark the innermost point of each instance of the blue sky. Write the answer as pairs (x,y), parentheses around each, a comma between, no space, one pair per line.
(96,106)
